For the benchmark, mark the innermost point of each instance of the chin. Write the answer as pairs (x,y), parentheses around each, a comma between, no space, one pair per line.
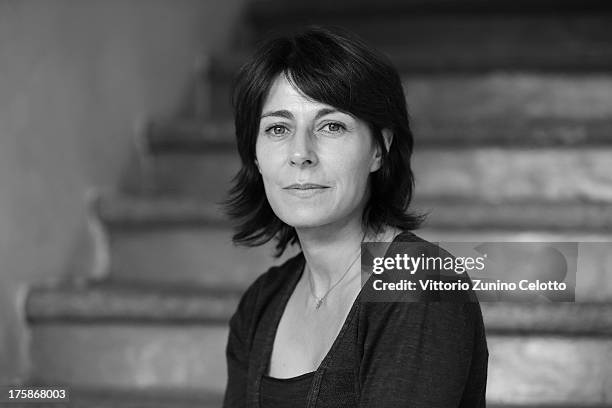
(302,219)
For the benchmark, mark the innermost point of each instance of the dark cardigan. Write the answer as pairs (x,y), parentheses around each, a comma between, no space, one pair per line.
(387,354)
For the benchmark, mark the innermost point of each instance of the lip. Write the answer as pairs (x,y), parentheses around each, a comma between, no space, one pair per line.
(305,186)
(305,193)
(305,190)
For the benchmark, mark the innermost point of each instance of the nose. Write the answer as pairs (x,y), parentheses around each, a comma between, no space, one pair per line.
(302,153)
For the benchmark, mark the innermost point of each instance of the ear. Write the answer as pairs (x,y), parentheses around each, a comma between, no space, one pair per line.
(388,139)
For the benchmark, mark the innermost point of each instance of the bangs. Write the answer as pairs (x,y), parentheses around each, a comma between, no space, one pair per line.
(321,91)
(326,72)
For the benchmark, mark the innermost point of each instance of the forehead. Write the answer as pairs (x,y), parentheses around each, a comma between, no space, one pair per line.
(283,95)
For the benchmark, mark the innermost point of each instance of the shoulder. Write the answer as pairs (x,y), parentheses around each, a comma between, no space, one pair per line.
(252,307)
(440,267)
(262,291)
(419,308)
(275,278)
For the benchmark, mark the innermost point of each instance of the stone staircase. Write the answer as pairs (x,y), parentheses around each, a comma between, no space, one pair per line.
(512,115)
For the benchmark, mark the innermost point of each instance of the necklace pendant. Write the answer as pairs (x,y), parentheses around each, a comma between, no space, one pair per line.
(319,303)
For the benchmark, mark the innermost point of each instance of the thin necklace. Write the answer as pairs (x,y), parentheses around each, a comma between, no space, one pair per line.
(319,300)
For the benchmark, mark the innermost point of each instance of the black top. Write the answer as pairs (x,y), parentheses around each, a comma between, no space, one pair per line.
(285,392)
(387,354)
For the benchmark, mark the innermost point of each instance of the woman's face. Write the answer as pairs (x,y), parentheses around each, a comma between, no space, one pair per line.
(314,159)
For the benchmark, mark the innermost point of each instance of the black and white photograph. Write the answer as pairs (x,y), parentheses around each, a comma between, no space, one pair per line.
(275,204)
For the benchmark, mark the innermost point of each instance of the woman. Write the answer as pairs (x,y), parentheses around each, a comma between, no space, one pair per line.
(325,144)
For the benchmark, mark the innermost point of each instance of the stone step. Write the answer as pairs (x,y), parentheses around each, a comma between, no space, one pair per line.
(116,398)
(560,319)
(488,174)
(550,370)
(111,398)
(514,175)
(178,243)
(270,10)
(465,35)
(593,262)
(129,356)
(527,216)
(130,338)
(466,39)
(108,303)
(162,242)
(125,353)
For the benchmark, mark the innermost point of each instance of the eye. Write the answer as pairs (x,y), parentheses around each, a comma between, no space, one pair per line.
(334,127)
(277,130)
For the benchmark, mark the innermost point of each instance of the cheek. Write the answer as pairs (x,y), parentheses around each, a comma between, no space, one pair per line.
(267,160)
(356,180)
(352,165)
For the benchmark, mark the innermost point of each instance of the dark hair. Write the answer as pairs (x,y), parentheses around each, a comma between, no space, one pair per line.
(337,69)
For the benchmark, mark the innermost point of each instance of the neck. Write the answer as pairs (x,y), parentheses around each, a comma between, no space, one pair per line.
(329,251)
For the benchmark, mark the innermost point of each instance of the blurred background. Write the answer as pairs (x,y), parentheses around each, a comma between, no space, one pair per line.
(117,272)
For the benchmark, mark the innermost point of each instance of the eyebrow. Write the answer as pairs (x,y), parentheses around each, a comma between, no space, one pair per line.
(280,113)
(288,115)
